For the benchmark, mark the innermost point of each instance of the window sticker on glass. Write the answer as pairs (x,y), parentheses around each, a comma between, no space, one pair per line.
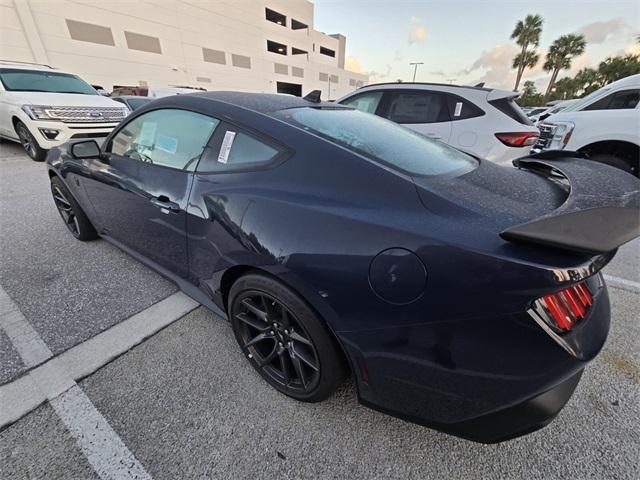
(458,109)
(166,143)
(225,148)
(147,134)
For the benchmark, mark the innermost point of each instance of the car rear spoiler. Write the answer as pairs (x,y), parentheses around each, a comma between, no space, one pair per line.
(600,213)
(494,95)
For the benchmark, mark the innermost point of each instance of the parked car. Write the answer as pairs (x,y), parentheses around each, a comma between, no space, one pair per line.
(459,294)
(101,90)
(132,102)
(557,108)
(42,107)
(535,111)
(603,126)
(484,122)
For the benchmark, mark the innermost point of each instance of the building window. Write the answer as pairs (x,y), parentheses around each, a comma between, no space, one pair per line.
(275,47)
(281,68)
(334,78)
(87,32)
(296,25)
(352,82)
(203,79)
(297,51)
(275,17)
(297,72)
(213,56)
(144,43)
(327,51)
(323,77)
(240,61)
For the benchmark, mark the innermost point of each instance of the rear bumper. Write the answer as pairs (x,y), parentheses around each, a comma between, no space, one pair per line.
(517,420)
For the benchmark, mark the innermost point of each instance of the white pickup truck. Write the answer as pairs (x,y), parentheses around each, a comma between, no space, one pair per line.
(42,107)
(605,126)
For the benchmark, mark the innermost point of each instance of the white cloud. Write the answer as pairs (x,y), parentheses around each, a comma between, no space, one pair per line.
(352,64)
(417,31)
(599,32)
(493,67)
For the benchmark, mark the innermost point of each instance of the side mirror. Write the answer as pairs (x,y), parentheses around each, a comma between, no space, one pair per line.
(85,149)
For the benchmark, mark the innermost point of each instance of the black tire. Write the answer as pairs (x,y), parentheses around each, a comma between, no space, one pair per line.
(29,143)
(613,161)
(292,335)
(72,215)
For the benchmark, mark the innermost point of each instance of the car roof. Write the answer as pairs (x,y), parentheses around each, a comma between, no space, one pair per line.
(28,66)
(266,103)
(419,84)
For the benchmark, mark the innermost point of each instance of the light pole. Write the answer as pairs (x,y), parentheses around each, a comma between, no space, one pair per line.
(415,68)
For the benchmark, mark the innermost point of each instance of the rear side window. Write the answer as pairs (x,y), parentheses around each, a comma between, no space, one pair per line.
(233,150)
(622,100)
(511,109)
(365,102)
(381,140)
(166,137)
(461,109)
(417,107)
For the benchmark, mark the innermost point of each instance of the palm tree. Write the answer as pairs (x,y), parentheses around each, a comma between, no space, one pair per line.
(526,33)
(560,54)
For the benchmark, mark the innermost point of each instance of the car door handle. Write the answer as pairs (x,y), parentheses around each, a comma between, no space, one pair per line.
(434,136)
(165,205)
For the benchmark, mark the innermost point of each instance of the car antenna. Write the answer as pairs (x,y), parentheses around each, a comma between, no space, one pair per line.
(313,96)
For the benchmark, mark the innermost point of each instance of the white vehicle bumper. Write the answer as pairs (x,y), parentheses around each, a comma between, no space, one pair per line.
(50,134)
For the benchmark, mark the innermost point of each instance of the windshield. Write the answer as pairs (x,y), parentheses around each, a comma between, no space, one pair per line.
(578,105)
(17,80)
(381,140)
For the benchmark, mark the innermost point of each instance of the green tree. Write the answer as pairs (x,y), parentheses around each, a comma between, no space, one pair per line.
(586,81)
(530,96)
(565,88)
(561,52)
(615,68)
(526,33)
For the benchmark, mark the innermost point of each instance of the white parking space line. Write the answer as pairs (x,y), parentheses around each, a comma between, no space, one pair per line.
(105,451)
(54,380)
(623,283)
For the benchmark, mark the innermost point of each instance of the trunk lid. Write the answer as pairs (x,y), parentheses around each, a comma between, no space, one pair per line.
(564,202)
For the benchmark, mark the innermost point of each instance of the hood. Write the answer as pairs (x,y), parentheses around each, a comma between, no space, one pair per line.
(64,99)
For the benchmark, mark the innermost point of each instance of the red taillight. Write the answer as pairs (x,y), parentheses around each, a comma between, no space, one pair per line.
(518,139)
(563,309)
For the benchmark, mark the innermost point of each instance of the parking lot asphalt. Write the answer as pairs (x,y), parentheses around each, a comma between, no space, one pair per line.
(188,405)
(68,290)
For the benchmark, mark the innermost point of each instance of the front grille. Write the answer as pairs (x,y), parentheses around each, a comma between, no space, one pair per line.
(87,114)
(546,136)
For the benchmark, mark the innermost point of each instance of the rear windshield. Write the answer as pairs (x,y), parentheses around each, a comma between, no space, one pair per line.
(511,109)
(381,140)
(18,80)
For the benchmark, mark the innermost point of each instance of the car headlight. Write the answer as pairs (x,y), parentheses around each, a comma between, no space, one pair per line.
(39,112)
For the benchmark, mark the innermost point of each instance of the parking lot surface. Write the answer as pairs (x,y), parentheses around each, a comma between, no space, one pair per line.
(187,405)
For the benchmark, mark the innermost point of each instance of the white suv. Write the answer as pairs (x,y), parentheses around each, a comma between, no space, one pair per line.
(484,122)
(604,125)
(42,107)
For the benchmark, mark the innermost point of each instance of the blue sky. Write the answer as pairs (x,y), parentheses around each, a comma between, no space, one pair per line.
(469,40)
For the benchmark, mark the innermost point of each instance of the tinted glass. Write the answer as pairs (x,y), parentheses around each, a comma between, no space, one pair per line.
(380,139)
(625,99)
(461,109)
(171,138)
(511,109)
(43,81)
(418,107)
(237,150)
(135,103)
(367,102)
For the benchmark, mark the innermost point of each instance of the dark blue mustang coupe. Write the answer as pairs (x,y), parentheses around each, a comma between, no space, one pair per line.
(461,295)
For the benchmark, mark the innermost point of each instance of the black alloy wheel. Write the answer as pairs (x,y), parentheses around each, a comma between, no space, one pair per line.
(29,143)
(284,340)
(74,218)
